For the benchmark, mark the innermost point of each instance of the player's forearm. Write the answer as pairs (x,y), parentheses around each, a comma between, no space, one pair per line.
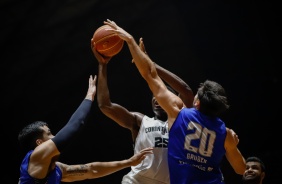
(168,76)
(103,94)
(143,63)
(100,169)
(74,126)
(91,170)
(179,85)
(236,160)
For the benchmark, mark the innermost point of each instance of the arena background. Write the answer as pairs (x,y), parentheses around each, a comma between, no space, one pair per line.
(46,61)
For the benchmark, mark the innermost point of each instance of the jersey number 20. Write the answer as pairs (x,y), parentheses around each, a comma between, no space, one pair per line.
(206,137)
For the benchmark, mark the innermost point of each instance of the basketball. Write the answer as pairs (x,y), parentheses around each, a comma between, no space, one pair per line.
(107,43)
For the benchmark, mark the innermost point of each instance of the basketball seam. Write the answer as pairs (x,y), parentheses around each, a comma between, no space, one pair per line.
(105,37)
(102,50)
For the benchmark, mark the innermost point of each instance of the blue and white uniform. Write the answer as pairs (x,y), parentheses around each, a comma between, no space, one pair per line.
(54,177)
(62,138)
(196,148)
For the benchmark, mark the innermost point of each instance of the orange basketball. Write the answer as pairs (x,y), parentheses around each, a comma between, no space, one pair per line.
(107,43)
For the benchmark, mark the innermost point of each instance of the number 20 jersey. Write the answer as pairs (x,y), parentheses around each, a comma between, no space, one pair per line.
(196,148)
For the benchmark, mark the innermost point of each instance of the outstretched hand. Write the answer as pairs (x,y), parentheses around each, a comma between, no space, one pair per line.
(118,30)
(123,34)
(91,88)
(142,46)
(139,157)
(101,59)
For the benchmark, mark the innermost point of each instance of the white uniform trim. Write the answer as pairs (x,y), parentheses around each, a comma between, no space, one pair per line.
(154,168)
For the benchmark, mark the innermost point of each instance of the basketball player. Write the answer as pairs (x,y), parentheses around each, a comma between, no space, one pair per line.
(198,138)
(154,169)
(255,171)
(41,166)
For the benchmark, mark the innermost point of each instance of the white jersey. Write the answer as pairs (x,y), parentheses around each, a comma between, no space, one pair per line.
(154,168)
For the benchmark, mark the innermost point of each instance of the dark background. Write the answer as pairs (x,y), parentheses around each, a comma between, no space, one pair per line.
(46,61)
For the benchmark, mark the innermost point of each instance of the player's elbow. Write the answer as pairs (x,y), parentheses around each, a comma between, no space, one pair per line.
(149,75)
(105,108)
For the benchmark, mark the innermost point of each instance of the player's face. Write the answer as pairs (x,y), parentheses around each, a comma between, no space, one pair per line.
(158,110)
(253,172)
(46,134)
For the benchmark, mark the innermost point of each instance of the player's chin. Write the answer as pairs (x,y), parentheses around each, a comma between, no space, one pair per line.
(158,108)
(159,111)
(249,177)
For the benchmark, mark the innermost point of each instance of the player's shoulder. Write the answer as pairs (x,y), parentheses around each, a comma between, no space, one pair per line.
(191,110)
(138,115)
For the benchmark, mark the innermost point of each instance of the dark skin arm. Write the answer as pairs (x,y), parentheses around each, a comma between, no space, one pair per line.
(184,90)
(119,114)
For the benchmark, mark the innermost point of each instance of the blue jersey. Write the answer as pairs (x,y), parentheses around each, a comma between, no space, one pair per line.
(54,177)
(196,148)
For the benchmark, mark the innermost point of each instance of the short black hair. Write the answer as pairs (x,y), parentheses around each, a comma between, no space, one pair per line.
(256,159)
(213,99)
(28,135)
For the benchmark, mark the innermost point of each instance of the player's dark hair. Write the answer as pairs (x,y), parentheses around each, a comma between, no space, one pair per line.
(256,159)
(30,133)
(213,100)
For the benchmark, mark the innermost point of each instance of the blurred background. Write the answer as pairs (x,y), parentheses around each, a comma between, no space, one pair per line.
(46,60)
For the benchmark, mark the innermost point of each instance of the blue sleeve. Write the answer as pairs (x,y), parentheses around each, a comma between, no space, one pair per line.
(74,126)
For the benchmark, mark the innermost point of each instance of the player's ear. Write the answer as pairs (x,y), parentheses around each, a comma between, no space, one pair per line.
(197,103)
(38,141)
(262,175)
